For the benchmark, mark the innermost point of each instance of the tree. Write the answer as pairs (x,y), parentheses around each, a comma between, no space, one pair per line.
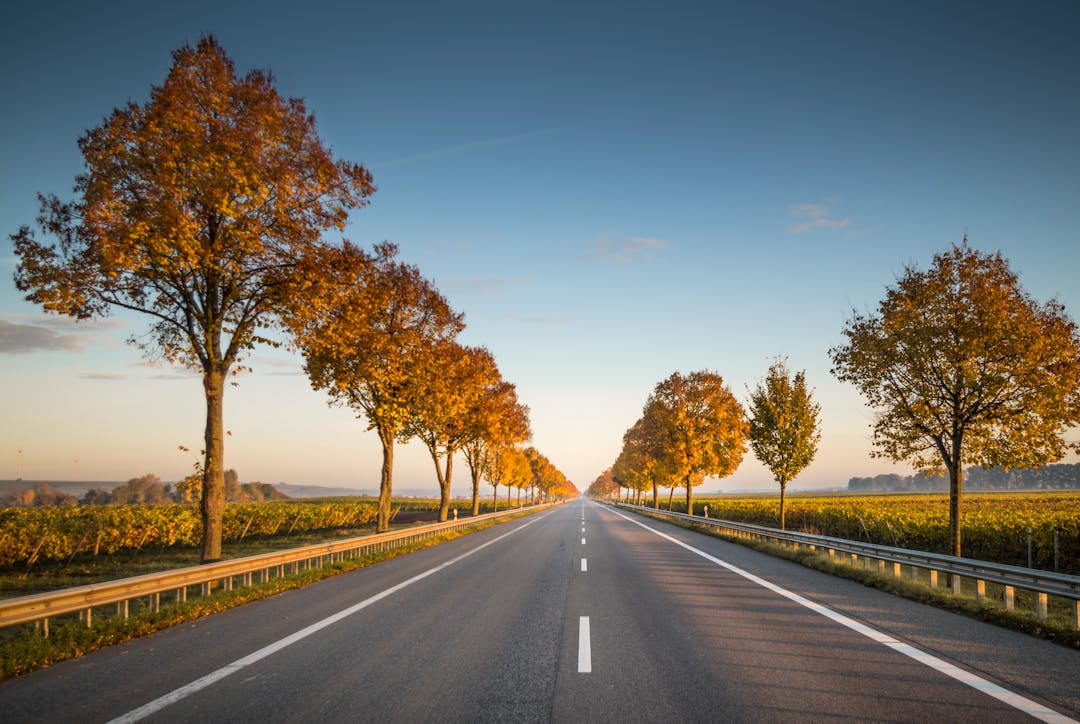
(449,394)
(497,420)
(604,486)
(192,209)
(963,366)
(784,425)
(640,464)
(368,334)
(701,428)
(507,466)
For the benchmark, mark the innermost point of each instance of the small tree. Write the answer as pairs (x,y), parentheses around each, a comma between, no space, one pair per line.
(192,210)
(497,420)
(784,425)
(964,367)
(700,427)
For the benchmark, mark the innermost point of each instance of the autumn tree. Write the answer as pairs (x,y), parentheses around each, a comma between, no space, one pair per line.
(964,367)
(192,209)
(701,428)
(369,332)
(507,466)
(640,464)
(604,486)
(784,425)
(449,393)
(497,420)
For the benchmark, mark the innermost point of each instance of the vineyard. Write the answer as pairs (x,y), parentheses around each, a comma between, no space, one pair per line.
(59,533)
(994,525)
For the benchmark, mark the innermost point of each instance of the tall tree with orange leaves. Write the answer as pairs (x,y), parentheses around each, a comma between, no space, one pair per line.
(193,209)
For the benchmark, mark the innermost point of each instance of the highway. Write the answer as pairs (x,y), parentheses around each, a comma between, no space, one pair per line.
(577,614)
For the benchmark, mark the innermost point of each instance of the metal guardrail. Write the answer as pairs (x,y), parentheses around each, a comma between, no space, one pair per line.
(1041,583)
(83,599)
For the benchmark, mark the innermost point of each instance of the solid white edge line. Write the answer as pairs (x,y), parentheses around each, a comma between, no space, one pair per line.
(187,690)
(1029,707)
(584,649)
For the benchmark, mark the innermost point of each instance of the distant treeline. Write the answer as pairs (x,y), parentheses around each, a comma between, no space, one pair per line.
(145,489)
(1048,477)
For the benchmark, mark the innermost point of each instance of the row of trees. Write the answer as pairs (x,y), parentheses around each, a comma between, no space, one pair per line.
(692,427)
(1062,476)
(205,208)
(961,365)
(145,489)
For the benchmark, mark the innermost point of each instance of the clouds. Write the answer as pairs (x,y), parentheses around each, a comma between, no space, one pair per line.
(22,335)
(814,217)
(624,252)
(16,338)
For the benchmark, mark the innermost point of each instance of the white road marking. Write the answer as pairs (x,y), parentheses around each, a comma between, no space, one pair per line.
(582,541)
(584,565)
(214,676)
(976,682)
(583,529)
(584,647)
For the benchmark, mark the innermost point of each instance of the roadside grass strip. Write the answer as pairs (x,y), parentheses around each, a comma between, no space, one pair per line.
(1029,707)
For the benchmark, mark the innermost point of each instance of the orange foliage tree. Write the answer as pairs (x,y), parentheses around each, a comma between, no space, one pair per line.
(448,396)
(496,420)
(193,209)
(701,428)
(369,331)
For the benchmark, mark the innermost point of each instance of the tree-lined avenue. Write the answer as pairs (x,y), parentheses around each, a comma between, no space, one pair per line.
(496,626)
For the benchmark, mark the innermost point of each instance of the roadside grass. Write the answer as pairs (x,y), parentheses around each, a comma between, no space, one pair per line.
(1057,627)
(23,648)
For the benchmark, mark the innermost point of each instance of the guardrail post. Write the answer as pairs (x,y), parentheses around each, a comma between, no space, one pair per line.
(1009,598)
(854,560)
(896,570)
(913,573)
(933,578)
(881,566)
(205,588)
(954,581)
(155,602)
(226,583)
(86,616)
(1076,614)
(1040,606)
(122,608)
(181,594)
(980,590)
(245,579)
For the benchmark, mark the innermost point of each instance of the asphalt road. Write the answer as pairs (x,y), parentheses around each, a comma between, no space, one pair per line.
(579,614)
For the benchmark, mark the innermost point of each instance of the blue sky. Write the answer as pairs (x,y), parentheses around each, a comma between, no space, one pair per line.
(609,191)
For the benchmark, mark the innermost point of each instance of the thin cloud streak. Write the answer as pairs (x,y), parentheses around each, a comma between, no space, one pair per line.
(30,338)
(624,252)
(813,218)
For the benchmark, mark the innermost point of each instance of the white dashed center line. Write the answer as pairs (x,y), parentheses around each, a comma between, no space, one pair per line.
(584,565)
(584,650)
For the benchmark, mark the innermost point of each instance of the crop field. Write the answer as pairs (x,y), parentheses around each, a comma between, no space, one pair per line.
(37,535)
(994,526)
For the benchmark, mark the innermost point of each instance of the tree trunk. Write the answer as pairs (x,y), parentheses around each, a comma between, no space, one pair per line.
(494,497)
(655,499)
(508,496)
(386,483)
(212,501)
(956,488)
(475,492)
(689,496)
(444,486)
(670,495)
(783,485)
